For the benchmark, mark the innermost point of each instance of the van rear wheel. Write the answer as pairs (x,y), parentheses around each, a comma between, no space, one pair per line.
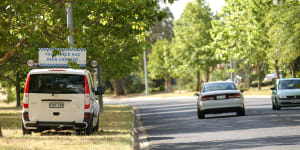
(25,131)
(96,128)
(89,129)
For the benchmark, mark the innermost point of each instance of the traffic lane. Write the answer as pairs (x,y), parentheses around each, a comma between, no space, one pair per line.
(262,128)
(173,124)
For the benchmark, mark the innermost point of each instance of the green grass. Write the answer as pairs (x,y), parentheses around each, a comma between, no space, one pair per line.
(265,90)
(114,132)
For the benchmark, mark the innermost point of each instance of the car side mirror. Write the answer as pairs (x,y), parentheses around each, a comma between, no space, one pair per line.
(196,94)
(242,91)
(100,90)
(273,88)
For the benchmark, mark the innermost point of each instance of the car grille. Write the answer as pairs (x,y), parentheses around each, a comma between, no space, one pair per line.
(293,97)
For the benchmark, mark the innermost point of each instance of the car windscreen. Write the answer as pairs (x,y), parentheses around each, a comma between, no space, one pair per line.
(219,86)
(289,84)
(56,83)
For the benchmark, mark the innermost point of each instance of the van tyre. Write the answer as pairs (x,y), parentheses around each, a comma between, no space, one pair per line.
(25,131)
(201,114)
(96,128)
(89,129)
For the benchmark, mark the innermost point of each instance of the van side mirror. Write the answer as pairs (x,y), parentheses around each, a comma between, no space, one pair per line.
(242,91)
(196,94)
(273,88)
(100,90)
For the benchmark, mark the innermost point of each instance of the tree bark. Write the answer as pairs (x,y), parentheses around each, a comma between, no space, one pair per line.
(277,69)
(247,80)
(0,131)
(198,81)
(119,87)
(259,77)
(207,74)
(168,84)
(293,69)
(18,89)
(12,51)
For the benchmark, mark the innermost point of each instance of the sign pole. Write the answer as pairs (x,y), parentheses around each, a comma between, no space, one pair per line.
(70,24)
(146,73)
(100,84)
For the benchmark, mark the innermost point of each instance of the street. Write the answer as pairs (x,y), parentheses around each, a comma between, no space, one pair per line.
(172,123)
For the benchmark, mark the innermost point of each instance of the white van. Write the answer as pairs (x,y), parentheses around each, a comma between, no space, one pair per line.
(60,99)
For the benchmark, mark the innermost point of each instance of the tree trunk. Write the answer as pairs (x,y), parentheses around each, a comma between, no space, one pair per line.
(18,89)
(277,69)
(168,84)
(0,131)
(119,87)
(259,77)
(207,75)
(198,81)
(247,80)
(293,69)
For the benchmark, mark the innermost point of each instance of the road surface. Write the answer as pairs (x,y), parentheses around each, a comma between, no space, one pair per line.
(172,124)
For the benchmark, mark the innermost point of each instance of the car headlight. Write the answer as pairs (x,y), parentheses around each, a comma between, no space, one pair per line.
(282,96)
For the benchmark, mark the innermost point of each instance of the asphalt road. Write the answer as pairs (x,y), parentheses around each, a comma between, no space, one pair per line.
(172,124)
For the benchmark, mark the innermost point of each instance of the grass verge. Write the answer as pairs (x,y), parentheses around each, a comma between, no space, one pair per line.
(114,132)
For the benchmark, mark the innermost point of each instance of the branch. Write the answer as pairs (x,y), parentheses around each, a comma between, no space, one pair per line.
(12,51)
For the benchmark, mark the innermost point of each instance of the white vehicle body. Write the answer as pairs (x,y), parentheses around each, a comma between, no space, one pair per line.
(286,93)
(59,99)
(273,76)
(219,97)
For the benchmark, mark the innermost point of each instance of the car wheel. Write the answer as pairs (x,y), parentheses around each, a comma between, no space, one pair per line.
(241,112)
(277,106)
(201,114)
(273,106)
(25,131)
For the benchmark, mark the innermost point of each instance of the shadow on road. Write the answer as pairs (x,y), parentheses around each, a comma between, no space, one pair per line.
(232,144)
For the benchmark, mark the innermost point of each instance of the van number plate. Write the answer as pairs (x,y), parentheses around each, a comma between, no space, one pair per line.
(56,105)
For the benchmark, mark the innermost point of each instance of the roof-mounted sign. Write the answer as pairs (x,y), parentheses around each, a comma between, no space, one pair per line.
(63,57)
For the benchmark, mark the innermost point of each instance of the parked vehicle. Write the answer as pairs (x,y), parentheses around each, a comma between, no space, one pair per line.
(272,76)
(60,99)
(220,97)
(286,93)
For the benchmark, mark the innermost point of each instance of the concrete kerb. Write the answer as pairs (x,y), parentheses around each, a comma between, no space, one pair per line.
(141,141)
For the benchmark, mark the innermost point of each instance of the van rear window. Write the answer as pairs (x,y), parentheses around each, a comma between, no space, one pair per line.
(56,83)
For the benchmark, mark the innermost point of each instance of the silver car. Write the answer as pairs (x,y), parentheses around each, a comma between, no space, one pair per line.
(220,97)
(286,93)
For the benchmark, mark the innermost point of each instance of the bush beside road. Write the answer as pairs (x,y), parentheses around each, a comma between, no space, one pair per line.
(115,129)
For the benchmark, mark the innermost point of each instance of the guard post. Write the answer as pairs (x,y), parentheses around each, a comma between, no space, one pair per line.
(97,68)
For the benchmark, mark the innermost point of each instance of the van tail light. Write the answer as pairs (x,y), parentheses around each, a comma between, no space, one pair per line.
(208,97)
(235,95)
(87,102)
(26,91)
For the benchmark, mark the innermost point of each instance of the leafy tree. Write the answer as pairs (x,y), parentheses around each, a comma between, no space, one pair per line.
(240,33)
(160,63)
(192,40)
(114,32)
(283,22)
(26,26)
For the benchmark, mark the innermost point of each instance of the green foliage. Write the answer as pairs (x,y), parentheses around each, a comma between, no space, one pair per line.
(133,84)
(283,22)
(192,39)
(114,32)
(264,83)
(160,60)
